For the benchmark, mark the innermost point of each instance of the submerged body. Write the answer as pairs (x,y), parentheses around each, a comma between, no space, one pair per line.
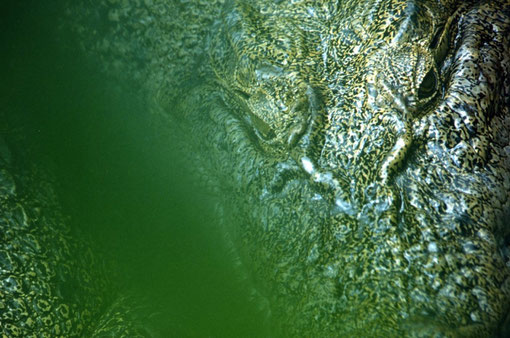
(360,151)
(370,144)
(43,290)
(53,282)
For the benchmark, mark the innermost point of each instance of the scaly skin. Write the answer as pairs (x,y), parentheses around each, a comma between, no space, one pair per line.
(369,145)
(359,151)
(44,291)
(53,283)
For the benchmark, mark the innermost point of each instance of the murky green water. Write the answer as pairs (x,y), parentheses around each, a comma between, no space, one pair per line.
(339,243)
(119,181)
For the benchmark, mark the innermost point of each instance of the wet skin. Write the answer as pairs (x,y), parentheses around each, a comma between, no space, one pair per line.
(369,144)
(359,152)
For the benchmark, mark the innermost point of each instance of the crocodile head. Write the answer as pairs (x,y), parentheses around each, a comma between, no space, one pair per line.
(361,149)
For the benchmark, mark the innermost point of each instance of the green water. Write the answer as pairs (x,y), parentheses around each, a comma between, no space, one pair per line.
(118,180)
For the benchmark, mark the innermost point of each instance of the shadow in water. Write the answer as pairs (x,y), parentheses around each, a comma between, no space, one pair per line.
(119,181)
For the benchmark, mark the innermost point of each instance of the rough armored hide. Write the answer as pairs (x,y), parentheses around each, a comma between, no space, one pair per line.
(43,292)
(360,150)
(371,145)
(52,282)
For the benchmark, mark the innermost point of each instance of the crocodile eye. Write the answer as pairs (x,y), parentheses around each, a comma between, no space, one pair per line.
(428,85)
(262,129)
(242,94)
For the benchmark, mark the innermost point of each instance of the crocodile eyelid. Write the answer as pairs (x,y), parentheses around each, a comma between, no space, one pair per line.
(261,127)
(428,85)
(243,94)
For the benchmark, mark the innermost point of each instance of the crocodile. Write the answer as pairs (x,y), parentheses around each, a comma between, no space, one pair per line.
(359,150)
(366,148)
(370,140)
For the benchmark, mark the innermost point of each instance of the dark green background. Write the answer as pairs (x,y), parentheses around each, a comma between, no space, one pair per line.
(117,178)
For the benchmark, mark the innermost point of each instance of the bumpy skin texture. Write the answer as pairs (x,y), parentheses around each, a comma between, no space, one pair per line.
(44,290)
(53,283)
(361,154)
(374,200)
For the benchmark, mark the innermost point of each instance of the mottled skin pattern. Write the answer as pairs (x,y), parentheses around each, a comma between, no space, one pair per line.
(370,149)
(360,151)
(43,292)
(52,283)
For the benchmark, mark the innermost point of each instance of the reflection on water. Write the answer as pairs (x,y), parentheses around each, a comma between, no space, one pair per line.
(119,181)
